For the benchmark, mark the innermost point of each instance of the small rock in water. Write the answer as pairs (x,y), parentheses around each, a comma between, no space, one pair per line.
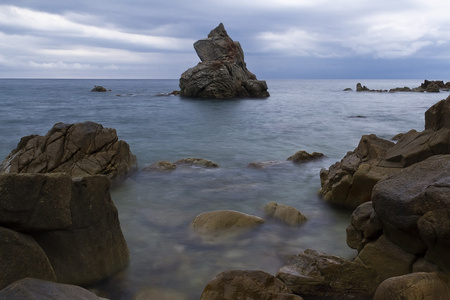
(220,222)
(161,166)
(285,213)
(303,156)
(98,88)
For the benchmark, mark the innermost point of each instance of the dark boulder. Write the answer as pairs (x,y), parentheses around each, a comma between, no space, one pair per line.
(59,228)
(242,285)
(99,88)
(36,289)
(316,275)
(79,149)
(222,72)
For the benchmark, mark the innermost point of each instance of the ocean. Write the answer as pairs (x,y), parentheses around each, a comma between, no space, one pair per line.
(156,209)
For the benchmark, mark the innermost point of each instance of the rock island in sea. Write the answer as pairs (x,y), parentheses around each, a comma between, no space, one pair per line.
(222,72)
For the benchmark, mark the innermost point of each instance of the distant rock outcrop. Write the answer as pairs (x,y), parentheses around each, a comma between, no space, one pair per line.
(222,72)
(79,149)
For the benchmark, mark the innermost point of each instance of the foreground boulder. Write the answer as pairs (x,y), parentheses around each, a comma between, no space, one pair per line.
(222,72)
(422,285)
(350,181)
(79,149)
(414,208)
(316,275)
(57,228)
(36,289)
(243,285)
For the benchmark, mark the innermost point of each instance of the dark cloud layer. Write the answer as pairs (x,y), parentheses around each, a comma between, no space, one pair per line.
(281,39)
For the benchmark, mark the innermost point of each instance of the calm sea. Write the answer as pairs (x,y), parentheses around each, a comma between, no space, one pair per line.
(155,209)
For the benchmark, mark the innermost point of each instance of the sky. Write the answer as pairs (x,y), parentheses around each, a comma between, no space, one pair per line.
(147,39)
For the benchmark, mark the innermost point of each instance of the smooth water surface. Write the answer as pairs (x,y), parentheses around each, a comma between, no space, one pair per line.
(155,209)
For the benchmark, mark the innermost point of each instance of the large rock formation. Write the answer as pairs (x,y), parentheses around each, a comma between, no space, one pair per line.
(79,149)
(350,181)
(222,72)
(56,228)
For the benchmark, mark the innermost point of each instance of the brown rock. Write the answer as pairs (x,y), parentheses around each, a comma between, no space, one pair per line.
(414,205)
(285,213)
(316,275)
(221,222)
(438,116)
(22,257)
(303,156)
(426,286)
(243,285)
(386,258)
(364,226)
(161,166)
(93,247)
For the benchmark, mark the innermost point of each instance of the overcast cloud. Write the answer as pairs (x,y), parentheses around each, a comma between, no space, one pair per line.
(281,39)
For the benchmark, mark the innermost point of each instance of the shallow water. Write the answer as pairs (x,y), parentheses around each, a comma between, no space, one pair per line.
(155,209)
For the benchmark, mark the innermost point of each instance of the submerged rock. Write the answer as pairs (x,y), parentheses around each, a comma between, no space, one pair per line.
(285,213)
(316,275)
(216,223)
(201,162)
(222,72)
(79,149)
(303,156)
(161,166)
(422,285)
(243,285)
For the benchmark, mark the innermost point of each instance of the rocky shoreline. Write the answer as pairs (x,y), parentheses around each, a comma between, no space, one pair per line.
(400,193)
(434,86)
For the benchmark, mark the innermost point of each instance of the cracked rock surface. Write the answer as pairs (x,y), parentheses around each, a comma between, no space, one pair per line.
(79,149)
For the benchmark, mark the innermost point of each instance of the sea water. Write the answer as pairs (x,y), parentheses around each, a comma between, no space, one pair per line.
(156,208)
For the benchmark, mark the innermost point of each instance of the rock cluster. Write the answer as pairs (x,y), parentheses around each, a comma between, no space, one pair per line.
(31,288)
(426,86)
(222,72)
(350,181)
(56,228)
(401,227)
(79,149)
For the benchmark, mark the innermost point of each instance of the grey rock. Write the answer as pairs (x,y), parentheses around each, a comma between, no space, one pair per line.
(285,213)
(247,284)
(316,275)
(36,289)
(427,286)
